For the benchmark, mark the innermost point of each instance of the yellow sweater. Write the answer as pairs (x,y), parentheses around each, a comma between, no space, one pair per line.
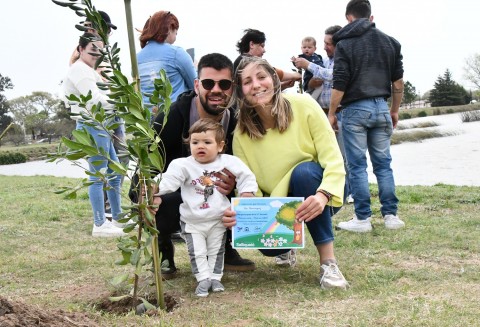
(308,138)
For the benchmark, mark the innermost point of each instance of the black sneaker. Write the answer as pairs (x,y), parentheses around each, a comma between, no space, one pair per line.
(168,272)
(177,237)
(234,262)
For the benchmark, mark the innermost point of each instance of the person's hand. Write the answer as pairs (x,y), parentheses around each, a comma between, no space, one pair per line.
(157,200)
(311,207)
(225,182)
(394,116)
(300,63)
(229,220)
(153,208)
(287,84)
(332,118)
(247,195)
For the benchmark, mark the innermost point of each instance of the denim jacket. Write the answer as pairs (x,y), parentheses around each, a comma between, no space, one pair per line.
(176,62)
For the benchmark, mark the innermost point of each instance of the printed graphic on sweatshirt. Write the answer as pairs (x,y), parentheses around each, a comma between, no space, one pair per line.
(205,185)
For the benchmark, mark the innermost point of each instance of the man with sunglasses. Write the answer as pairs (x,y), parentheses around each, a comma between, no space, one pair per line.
(213,89)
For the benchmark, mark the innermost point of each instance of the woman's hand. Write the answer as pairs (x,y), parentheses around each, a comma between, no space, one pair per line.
(225,182)
(311,207)
(229,220)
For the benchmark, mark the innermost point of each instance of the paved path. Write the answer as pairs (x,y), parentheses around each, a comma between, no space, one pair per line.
(449,160)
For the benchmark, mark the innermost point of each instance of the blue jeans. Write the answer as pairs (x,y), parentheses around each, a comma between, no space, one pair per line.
(339,136)
(367,124)
(95,191)
(305,180)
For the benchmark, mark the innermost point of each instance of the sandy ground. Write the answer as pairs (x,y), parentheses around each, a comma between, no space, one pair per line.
(449,160)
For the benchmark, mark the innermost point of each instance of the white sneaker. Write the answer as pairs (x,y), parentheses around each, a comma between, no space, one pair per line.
(107,230)
(331,277)
(356,225)
(287,259)
(350,199)
(123,225)
(393,222)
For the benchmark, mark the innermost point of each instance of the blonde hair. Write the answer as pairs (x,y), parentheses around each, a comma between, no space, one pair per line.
(248,120)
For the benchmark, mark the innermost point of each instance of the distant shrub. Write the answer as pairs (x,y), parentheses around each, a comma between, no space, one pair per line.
(437,112)
(425,124)
(422,113)
(470,116)
(450,111)
(405,115)
(9,158)
(417,135)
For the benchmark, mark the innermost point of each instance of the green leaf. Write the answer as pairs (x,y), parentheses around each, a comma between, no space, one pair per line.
(63,4)
(120,77)
(117,167)
(117,280)
(72,144)
(148,305)
(135,257)
(82,136)
(75,155)
(118,298)
(156,160)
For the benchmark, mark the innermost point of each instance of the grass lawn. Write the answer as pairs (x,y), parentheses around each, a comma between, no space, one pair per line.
(424,275)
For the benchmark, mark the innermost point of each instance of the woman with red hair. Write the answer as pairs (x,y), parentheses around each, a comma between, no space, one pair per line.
(158,52)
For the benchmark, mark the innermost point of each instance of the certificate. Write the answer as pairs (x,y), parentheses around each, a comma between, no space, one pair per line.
(267,223)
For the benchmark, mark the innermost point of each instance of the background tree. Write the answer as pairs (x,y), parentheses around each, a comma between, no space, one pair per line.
(5,119)
(42,114)
(409,93)
(472,69)
(447,92)
(15,135)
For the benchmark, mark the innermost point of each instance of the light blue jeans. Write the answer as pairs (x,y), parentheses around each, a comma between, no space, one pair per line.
(339,136)
(95,191)
(367,124)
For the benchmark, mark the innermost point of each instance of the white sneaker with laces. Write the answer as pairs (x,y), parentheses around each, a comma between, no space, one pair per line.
(393,222)
(107,229)
(332,277)
(287,259)
(356,225)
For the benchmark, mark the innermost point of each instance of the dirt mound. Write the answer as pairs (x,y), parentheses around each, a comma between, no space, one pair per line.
(17,314)
(125,305)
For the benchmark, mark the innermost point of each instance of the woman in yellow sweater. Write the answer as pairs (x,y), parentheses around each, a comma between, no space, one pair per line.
(287,141)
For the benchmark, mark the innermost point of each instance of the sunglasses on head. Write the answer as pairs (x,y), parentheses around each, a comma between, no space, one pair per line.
(209,84)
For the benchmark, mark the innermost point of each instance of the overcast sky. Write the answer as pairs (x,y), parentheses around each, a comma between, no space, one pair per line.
(37,37)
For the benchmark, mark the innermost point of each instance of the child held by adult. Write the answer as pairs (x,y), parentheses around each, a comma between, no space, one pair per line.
(203,205)
(309,46)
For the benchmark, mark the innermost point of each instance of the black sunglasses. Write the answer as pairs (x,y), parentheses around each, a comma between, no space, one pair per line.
(209,84)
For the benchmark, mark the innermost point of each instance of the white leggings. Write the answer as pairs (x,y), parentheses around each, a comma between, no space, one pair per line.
(206,247)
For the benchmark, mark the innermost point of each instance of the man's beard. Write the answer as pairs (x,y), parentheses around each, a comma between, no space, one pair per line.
(214,111)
